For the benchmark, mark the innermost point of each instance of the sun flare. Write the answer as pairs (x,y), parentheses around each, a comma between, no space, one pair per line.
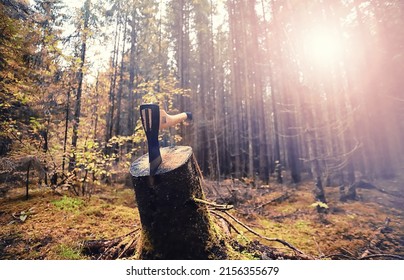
(322,46)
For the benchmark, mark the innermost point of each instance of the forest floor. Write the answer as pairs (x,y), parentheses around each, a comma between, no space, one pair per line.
(55,225)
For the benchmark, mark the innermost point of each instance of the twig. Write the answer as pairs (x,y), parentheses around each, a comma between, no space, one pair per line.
(398,257)
(351,257)
(129,233)
(107,245)
(222,207)
(127,247)
(135,239)
(264,237)
(338,255)
(116,242)
(226,220)
(286,215)
(278,199)
(346,251)
(103,255)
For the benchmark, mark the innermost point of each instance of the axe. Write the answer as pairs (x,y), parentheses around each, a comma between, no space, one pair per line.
(154,119)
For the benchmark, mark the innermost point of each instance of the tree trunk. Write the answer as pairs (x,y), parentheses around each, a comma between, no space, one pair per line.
(121,82)
(174,224)
(132,55)
(112,88)
(80,78)
(66,130)
(235,86)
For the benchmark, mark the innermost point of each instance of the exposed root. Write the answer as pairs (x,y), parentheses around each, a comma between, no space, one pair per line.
(227,221)
(283,242)
(221,207)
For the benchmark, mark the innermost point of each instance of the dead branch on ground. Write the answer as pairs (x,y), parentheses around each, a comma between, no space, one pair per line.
(115,248)
(278,199)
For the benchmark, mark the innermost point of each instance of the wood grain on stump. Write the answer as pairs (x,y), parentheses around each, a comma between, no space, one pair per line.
(174,226)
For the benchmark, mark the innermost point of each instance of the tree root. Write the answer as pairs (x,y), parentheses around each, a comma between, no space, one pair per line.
(225,208)
(221,207)
(227,221)
(283,242)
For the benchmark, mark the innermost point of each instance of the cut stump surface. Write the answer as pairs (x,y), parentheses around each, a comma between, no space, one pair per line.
(173,157)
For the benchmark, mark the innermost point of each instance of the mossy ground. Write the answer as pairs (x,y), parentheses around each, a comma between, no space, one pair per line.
(56,226)
(350,229)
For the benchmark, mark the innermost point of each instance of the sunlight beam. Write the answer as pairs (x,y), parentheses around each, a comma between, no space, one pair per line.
(322,46)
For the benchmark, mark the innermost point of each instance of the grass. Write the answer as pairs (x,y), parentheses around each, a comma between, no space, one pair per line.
(70,204)
(65,252)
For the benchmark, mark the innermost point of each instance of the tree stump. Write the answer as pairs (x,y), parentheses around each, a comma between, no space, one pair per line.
(174,225)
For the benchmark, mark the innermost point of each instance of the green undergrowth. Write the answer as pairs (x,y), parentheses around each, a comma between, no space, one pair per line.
(71,204)
(66,252)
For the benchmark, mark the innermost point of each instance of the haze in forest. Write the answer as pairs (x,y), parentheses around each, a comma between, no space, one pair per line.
(277,88)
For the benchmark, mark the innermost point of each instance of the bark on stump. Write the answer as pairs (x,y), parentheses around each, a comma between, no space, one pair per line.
(174,225)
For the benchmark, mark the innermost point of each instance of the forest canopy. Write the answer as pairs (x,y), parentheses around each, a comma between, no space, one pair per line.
(306,87)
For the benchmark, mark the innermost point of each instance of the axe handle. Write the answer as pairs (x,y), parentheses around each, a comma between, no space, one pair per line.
(167,120)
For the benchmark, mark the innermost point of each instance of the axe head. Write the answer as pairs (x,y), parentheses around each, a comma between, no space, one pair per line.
(150,115)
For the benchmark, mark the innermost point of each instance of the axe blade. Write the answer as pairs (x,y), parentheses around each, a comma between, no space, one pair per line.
(150,115)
